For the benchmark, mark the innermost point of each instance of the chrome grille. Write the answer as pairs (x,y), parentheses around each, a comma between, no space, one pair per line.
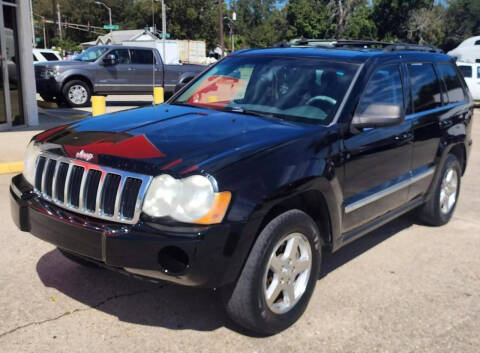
(91,189)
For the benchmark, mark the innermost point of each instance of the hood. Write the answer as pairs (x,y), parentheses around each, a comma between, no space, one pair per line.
(171,138)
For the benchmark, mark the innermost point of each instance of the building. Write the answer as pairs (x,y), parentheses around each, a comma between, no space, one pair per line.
(18,105)
(118,37)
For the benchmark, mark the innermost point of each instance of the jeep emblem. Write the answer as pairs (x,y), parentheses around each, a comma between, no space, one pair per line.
(84,155)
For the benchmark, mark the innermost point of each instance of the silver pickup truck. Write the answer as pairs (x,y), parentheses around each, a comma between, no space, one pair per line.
(103,70)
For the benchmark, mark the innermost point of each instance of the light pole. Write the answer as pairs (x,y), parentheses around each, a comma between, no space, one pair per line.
(109,12)
(231,21)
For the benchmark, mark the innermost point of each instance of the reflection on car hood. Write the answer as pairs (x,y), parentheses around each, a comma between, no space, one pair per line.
(167,137)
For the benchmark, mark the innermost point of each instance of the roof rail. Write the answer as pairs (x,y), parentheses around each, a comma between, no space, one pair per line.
(359,44)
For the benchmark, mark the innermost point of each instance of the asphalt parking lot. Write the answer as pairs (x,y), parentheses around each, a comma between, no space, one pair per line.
(403,288)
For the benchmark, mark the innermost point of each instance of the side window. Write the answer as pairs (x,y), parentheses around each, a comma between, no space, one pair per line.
(49,56)
(466,70)
(385,87)
(452,82)
(34,58)
(478,71)
(142,57)
(122,55)
(426,92)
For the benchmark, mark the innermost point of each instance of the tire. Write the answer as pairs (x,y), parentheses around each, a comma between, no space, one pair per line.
(438,210)
(247,304)
(77,259)
(77,93)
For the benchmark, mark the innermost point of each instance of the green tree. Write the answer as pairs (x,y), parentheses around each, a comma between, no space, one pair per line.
(309,19)
(391,16)
(360,24)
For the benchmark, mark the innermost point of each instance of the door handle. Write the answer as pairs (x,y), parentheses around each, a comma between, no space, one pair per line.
(405,136)
(131,69)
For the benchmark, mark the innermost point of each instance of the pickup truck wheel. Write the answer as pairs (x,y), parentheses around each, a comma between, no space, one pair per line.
(77,93)
(440,207)
(279,276)
(77,259)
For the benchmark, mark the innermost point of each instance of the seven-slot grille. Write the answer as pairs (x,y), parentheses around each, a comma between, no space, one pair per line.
(91,189)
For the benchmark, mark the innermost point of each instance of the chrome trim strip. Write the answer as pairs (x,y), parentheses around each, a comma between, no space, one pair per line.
(81,195)
(435,110)
(117,217)
(388,191)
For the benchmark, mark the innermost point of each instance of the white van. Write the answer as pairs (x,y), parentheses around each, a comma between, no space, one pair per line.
(42,55)
(471,72)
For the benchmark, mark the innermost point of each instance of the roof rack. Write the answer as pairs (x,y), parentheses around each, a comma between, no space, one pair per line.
(358,44)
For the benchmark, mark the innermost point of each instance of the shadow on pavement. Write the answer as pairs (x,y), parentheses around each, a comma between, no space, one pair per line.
(167,305)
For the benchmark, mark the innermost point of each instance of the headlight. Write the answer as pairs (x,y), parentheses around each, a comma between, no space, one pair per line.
(189,200)
(29,162)
(53,72)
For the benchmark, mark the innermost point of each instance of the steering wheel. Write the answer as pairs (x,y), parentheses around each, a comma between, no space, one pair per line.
(326,99)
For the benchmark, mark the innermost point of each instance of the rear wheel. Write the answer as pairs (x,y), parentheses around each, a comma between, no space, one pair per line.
(77,93)
(279,276)
(440,207)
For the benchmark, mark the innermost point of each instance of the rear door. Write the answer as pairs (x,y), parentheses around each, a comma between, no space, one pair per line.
(378,160)
(429,114)
(144,68)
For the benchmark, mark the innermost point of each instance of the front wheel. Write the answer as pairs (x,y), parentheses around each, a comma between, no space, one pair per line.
(279,276)
(440,207)
(77,93)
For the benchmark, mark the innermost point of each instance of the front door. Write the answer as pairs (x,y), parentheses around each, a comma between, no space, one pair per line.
(378,160)
(119,77)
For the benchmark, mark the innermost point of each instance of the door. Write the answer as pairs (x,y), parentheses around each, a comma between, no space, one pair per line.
(471,73)
(377,160)
(116,78)
(11,107)
(435,111)
(145,68)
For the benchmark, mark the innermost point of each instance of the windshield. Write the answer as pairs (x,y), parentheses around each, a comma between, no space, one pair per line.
(288,88)
(91,54)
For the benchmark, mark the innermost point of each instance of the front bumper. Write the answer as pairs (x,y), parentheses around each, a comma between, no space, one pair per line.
(48,87)
(188,256)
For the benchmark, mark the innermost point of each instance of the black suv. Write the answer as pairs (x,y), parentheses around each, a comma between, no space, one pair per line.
(244,176)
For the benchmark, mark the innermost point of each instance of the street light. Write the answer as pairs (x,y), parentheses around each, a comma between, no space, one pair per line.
(109,12)
(231,21)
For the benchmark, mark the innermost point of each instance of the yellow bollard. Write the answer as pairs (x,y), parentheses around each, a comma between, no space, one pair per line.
(99,105)
(158,95)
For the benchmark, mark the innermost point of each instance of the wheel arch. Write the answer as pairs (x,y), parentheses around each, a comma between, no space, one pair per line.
(460,152)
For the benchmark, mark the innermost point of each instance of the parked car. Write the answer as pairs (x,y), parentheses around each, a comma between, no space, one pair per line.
(255,168)
(44,55)
(104,70)
(471,73)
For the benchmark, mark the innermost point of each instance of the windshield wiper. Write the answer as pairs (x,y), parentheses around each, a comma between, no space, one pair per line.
(241,110)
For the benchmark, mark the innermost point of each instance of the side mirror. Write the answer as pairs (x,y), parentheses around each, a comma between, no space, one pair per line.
(379,115)
(110,59)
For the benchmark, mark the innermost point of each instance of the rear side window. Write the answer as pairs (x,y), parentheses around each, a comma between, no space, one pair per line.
(140,56)
(426,92)
(385,87)
(34,58)
(466,70)
(452,82)
(49,56)
(478,71)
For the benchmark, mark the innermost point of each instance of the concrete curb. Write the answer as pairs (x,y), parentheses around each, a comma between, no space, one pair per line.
(11,167)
